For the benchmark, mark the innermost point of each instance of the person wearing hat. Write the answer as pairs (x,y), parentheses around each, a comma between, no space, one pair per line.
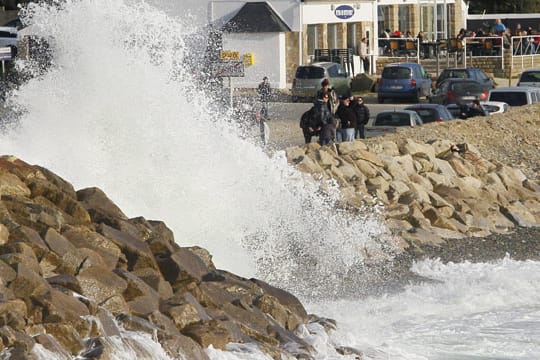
(347,118)
(332,101)
(264,92)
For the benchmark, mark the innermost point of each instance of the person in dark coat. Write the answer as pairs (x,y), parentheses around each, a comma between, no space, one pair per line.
(325,119)
(362,117)
(347,118)
(332,97)
(310,123)
(264,92)
(475,109)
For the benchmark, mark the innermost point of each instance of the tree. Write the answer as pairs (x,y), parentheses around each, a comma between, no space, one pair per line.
(503,6)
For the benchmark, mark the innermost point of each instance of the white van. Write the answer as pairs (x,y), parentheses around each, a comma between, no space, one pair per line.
(515,95)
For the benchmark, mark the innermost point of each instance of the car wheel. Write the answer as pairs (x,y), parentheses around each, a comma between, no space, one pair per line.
(416,98)
(380,99)
(294,99)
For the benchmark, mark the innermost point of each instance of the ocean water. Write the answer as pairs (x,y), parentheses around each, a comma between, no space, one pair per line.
(118,110)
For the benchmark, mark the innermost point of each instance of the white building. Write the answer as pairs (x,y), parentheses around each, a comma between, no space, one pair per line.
(281,34)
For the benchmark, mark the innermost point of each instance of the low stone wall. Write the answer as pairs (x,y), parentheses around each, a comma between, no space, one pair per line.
(430,192)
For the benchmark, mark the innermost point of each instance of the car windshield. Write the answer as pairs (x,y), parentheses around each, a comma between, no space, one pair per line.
(511,98)
(396,72)
(427,115)
(8,34)
(466,87)
(309,72)
(393,119)
(460,74)
(490,108)
(531,76)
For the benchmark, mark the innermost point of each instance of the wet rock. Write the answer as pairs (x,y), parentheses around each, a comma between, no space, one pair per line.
(50,343)
(82,237)
(100,284)
(135,250)
(183,346)
(99,206)
(182,266)
(66,335)
(208,333)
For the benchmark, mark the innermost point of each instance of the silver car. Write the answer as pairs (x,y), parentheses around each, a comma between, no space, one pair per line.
(529,77)
(308,78)
(388,121)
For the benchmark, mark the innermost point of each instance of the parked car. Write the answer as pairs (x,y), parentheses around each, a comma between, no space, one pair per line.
(515,95)
(495,107)
(455,110)
(529,77)
(404,81)
(8,36)
(388,121)
(308,79)
(458,91)
(466,73)
(492,107)
(431,112)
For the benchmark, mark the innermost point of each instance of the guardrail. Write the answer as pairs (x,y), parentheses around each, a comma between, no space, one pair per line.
(525,49)
(520,52)
(483,47)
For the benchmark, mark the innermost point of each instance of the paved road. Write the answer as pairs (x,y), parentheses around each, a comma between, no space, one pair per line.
(285,117)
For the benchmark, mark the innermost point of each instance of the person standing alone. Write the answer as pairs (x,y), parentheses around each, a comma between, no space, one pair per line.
(264,92)
(347,119)
(362,117)
(363,52)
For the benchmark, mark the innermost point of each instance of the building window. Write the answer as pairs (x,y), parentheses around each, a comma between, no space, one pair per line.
(381,11)
(312,36)
(332,36)
(403,16)
(352,35)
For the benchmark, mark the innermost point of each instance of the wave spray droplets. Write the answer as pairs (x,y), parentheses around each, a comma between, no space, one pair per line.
(119,110)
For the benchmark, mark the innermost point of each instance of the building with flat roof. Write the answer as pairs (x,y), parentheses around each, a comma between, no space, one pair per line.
(279,35)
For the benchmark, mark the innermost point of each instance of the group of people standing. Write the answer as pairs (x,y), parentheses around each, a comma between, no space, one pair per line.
(344,123)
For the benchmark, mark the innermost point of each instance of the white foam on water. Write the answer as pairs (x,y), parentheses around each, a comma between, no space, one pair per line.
(470,311)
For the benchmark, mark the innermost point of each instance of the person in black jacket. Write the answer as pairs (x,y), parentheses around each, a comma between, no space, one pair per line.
(310,124)
(264,92)
(362,118)
(475,109)
(347,118)
(325,118)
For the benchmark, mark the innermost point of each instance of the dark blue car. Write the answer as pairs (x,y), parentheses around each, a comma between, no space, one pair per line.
(404,81)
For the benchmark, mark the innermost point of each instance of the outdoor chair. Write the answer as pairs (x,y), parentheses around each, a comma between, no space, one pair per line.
(394,47)
(410,48)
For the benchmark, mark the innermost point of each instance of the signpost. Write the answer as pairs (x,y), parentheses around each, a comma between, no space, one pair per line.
(5,54)
(229,69)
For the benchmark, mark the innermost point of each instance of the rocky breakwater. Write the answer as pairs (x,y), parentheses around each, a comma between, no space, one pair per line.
(432,192)
(75,271)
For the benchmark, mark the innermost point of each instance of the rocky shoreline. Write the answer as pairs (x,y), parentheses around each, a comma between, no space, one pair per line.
(521,244)
(74,271)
